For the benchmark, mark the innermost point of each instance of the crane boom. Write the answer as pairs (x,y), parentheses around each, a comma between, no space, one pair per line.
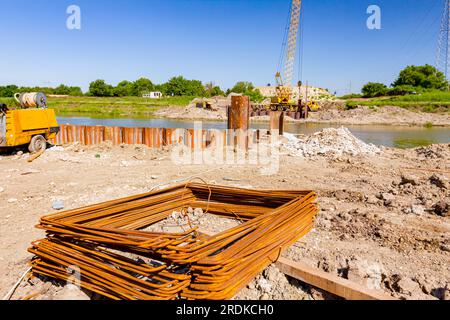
(292,42)
(284,89)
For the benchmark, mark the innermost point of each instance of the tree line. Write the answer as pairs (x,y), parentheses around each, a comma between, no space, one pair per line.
(176,86)
(10,90)
(411,80)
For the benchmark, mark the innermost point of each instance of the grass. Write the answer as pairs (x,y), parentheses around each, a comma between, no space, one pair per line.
(436,101)
(429,125)
(115,106)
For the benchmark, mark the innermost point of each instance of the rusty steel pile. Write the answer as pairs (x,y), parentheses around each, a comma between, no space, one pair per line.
(118,260)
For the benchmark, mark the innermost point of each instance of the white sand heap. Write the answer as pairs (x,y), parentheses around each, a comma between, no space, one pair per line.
(329,142)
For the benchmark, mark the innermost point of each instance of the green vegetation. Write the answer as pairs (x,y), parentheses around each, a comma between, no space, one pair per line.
(179,86)
(417,87)
(247,89)
(103,99)
(374,89)
(10,90)
(411,143)
(109,106)
(351,96)
(431,101)
(429,125)
(411,80)
(175,87)
(426,77)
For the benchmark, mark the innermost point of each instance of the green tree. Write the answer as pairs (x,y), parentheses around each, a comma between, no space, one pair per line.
(75,91)
(217,91)
(8,91)
(179,86)
(403,90)
(141,86)
(212,90)
(247,89)
(99,88)
(124,89)
(374,89)
(66,90)
(242,86)
(62,89)
(427,77)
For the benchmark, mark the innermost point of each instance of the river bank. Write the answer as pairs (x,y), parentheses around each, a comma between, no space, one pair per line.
(331,113)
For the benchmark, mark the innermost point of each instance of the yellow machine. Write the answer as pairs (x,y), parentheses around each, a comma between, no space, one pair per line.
(284,99)
(32,127)
(313,106)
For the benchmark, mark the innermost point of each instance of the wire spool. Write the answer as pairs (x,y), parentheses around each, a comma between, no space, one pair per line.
(31,100)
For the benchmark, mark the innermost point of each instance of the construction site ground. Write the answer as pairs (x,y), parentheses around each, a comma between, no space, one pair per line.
(383,222)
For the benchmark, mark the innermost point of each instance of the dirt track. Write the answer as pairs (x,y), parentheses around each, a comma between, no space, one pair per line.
(375,227)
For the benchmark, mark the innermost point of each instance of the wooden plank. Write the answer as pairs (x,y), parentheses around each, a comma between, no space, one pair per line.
(328,282)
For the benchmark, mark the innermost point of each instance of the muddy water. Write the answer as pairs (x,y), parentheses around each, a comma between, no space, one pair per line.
(390,136)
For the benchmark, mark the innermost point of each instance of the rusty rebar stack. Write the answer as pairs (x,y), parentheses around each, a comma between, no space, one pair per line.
(118,260)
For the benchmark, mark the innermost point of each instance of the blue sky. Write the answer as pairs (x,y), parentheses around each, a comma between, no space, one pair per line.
(223,41)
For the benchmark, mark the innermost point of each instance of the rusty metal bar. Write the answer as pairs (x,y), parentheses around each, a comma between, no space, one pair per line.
(119,260)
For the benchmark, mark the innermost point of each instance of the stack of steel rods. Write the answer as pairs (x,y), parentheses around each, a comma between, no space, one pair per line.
(118,260)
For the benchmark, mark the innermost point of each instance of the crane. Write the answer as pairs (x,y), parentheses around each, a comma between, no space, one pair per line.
(284,92)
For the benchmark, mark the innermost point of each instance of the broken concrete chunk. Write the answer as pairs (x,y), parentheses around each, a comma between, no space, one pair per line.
(407,286)
(341,195)
(58,205)
(415,209)
(409,179)
(71,292)
(198,212)
(264,285)
(389,199)
(371,199)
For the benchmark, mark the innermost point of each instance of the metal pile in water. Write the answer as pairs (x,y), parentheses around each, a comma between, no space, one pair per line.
(118,260)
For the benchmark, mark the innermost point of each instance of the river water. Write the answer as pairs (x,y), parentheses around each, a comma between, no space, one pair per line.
(389,136)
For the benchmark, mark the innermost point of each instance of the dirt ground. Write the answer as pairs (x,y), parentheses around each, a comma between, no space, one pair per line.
(384,219)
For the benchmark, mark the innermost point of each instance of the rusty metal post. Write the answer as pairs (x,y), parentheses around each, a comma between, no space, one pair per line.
(239,113)
(277,121)
(239,121)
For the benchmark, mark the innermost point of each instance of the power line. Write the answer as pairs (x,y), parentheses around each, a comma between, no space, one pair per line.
(442,55)
(416,32)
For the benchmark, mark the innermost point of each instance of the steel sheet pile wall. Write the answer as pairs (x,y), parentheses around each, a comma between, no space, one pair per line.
(120,261)
(151,137)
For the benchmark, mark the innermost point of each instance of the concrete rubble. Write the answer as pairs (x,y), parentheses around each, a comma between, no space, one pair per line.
(330,143)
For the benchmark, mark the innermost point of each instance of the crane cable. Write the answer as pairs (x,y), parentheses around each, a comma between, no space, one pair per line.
(284,42)
(300,43)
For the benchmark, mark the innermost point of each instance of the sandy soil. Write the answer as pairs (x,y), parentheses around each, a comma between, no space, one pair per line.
(332,113)
(382,221)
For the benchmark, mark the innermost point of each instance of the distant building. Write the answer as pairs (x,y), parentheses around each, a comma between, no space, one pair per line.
(153,95)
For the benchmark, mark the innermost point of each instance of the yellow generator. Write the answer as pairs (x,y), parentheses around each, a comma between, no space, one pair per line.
(33,126)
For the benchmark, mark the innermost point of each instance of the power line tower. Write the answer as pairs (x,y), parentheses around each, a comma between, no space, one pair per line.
(443,49)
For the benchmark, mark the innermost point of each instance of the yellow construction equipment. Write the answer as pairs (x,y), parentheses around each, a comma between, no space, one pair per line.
(33,124)
(313,106)
(284,91)
(284,99)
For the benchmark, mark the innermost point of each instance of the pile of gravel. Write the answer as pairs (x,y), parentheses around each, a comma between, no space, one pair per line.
(329,142)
